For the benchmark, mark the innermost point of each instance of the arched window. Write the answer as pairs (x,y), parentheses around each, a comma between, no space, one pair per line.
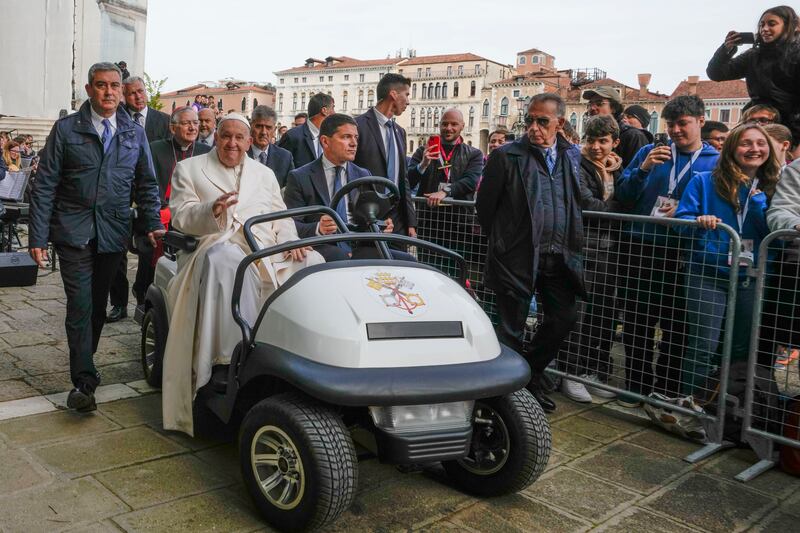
(173,105)
(414,91)
(421,118)
(430,113)
(244,103)
(436,118)
(485,111)
(188,103)
(370,98)
(472,88)
(471,116)
(294,102)
(413,117)
(361,99)
(219,104)
(280,102)
(344,101)
(430,91)
(444,90)
(573,120)
(455,89)
(255,102)
(437,92)
(504,107)
(653,122)
(423,91)
(303,101)
(410,146)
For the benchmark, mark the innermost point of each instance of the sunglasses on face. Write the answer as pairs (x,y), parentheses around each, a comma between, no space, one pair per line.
(542,122)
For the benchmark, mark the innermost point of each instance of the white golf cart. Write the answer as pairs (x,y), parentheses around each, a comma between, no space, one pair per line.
(394,352)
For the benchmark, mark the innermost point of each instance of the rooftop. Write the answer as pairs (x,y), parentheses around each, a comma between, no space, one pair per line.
(342,62)
(714,90)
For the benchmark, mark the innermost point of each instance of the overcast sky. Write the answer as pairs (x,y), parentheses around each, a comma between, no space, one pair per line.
(195,40)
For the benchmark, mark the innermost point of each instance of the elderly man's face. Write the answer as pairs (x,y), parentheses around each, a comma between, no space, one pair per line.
(451,126)
(185,131)
(543,123)
(135,96)
(105,92)
(263,131)
(232,140)
(207,122)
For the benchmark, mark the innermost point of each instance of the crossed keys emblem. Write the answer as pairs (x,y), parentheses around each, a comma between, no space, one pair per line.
(395,292)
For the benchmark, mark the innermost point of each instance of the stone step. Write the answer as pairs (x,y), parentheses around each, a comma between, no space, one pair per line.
(38,127)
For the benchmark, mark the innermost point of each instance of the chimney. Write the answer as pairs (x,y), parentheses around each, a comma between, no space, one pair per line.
(644,82)
(693,81)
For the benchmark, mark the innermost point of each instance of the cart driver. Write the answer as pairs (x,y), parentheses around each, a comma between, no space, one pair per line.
(212,196)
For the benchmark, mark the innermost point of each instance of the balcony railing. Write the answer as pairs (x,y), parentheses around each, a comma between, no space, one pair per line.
(443,74)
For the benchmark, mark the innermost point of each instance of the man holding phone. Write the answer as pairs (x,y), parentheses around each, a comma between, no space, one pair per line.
(447,167)
(652,185)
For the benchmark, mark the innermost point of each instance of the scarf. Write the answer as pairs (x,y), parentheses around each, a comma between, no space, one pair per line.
(605,170)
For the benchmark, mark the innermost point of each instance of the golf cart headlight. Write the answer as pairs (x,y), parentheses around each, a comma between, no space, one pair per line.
(406,418)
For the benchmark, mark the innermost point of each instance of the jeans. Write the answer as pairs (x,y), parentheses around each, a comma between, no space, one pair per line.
(706,308)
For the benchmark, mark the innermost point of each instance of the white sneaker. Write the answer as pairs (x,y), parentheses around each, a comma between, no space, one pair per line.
(596,391)
(575,391)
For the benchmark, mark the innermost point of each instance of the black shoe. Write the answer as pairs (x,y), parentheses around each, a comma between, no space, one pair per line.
(547,404)
(118,312)
(81,399)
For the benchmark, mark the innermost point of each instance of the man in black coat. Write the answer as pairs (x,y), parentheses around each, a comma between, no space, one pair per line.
(262,129)
(166,154)
(382,146)
(303,141)
(92,163)
(529,206)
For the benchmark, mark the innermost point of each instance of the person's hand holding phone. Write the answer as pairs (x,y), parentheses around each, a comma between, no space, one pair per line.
(658,155)
(432,153)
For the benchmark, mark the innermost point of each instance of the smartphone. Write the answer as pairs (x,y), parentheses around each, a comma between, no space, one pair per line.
(660,139)
(747,37)
(435,141)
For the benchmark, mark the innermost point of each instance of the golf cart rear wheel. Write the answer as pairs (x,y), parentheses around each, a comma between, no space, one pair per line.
(510,446)
(298,462)
(154,340)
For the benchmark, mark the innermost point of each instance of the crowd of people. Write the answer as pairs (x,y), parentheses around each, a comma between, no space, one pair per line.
(204,173)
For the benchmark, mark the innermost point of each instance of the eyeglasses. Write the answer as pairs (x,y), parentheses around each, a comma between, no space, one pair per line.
(762,120)
(542,122)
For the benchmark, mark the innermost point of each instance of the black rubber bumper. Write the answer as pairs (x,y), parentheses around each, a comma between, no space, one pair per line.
(416,385)
(422,447)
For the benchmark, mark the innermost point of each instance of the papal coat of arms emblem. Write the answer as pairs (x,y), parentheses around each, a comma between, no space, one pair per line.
(396,293)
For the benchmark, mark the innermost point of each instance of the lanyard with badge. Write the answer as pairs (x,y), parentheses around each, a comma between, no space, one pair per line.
(665,203)
(746,257)
(445,162)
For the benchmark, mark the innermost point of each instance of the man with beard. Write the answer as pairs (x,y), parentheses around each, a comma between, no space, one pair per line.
(208,125)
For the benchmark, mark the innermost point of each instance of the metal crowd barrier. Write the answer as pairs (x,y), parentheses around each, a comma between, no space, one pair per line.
(638,319)
(773,381)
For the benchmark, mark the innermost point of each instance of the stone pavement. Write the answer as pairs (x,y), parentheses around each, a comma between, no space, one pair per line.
(116,470)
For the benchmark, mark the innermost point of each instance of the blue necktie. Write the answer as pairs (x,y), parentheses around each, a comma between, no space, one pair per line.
(550,159)
(340,208)
(391,155)
(263,158)
(107,136)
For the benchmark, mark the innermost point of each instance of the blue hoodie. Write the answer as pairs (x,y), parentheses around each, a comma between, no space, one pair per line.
(638,190)
(710,248)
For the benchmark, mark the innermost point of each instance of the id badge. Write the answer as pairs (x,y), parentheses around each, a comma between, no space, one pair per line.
(442,186)
(663,205)
(746,256)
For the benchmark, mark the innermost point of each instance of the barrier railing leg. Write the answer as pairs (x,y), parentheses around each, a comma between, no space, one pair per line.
(717,444)
(767,454)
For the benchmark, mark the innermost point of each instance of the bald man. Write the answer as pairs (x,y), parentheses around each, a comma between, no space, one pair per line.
(449,172)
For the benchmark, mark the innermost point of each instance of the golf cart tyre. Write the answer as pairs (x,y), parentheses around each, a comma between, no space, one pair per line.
(155,319)
(327,463)
(529,442)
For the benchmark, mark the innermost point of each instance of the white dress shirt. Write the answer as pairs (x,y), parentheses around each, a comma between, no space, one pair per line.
(315,133)
(143,112)
(207,140)
(330,175)
(257,152)
(97,122)
(382,120)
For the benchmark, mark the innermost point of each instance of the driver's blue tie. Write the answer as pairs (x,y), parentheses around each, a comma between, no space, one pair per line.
(391,152)
(340,208)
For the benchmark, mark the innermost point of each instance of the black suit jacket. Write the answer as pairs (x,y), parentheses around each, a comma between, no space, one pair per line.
(371,155)
(279,160)
(307,186)
(300,142)
(164,162)
(156,125)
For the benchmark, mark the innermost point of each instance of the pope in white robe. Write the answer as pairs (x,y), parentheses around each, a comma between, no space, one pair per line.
(212,197)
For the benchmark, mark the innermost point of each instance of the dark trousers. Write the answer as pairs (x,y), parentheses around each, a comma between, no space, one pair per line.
(119,283)
(87,279)
(558,299)
(145,272)
(780,314)
(654,294)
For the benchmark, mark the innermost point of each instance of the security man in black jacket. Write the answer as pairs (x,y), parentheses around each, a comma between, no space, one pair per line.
(92,161)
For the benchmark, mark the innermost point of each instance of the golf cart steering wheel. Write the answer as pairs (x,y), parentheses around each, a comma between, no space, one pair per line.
(370,206)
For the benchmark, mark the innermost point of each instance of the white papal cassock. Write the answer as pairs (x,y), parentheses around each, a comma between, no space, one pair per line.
(202,331)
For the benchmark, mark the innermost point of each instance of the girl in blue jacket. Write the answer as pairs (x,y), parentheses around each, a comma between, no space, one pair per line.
(735,193)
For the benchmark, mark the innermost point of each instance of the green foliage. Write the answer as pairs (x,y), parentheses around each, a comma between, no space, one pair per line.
(153,88)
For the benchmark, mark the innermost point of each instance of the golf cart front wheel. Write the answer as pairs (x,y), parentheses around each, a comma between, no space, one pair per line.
(510,446)
(154,341)
(298,462)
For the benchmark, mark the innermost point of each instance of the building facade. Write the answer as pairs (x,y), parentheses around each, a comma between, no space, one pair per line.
(237,95)
(51,45)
